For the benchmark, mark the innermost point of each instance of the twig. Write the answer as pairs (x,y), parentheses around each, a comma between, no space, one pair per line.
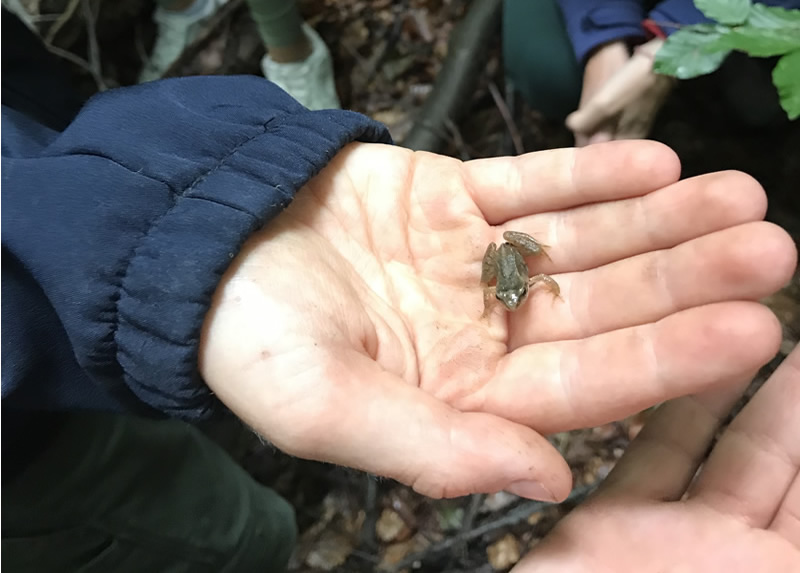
(21,12)
(45,18)
(516,515)
(367,67)
(70,57)
(466,57)
(371,508)
(419,16)
(95,66)
(475,502)
(458,139)
(507,118)
(377,59)
(65,17)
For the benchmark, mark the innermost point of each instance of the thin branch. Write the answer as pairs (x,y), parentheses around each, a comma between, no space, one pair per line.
(516,515)
(367,535)
(475,502)
(466,57)
(65,17)
(70,57)
(95,66)
(46,18)
(458,139)
(507,118)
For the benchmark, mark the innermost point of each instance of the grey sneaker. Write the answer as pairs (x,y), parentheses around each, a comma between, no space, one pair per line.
(311,81)
(176,30)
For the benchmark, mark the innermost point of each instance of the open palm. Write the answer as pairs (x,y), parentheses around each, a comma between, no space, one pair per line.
(349,330)
(741,514)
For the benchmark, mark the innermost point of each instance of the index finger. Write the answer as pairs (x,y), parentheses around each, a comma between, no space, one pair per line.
(511,187)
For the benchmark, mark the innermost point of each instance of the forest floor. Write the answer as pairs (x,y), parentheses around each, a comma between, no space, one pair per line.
(387,56)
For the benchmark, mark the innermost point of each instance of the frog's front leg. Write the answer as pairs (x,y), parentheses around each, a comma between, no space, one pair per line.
(548,281)
(488,272)
(525,244)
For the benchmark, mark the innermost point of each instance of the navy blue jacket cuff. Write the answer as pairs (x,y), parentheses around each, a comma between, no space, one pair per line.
(127,220)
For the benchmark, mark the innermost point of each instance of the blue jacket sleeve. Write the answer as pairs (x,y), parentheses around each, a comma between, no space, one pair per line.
(117,231)
(591,23)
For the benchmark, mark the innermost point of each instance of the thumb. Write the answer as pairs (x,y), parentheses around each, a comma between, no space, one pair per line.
(354,413)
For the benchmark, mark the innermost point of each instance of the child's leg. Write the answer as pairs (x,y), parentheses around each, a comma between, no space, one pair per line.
(538,57)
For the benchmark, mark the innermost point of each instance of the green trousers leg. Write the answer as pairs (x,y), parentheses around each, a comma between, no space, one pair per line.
(278,21)
(118,494)
(538,57)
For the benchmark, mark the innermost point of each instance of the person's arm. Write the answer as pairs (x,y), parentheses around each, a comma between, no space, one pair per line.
(117,231)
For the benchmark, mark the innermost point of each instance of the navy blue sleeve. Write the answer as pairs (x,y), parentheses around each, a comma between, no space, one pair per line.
(117,231)
(591,23)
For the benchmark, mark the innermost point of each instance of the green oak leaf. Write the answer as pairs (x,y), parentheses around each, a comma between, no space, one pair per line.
(760,42)
(762,16)
(786,77)
(769,31)
(691,52)
(731,12)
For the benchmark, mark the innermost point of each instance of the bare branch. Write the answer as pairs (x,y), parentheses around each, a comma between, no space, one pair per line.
(507,118)
(95,66)
(62,19)
(512,517)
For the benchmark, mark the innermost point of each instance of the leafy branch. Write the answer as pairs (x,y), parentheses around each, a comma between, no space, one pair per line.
(755,29)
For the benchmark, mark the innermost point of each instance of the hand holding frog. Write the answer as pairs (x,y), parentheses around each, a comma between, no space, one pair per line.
(349,329)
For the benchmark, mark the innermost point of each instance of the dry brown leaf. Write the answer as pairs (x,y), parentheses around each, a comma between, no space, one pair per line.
(331,550)
(396,552)
(391,527)
(504,552)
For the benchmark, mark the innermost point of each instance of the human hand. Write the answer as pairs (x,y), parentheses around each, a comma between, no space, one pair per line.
(739,515)
(349,329)
(621,94)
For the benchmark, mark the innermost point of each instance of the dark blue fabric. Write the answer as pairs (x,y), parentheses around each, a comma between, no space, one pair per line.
(592,23)
(117,230)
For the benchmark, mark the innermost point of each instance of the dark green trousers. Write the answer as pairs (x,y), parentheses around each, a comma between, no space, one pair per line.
(116,494)
(538,57)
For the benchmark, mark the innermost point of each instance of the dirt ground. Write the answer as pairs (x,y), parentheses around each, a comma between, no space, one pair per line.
(387,56)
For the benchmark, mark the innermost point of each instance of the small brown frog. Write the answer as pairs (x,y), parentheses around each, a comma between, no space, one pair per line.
(507,265)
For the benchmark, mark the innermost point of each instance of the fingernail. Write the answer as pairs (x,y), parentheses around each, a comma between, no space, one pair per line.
(531,490)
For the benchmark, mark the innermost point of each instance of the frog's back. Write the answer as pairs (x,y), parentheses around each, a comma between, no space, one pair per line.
(512,272)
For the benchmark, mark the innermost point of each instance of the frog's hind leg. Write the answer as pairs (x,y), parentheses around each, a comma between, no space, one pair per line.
(489,264)
(488,272)
(526,244)
(548,281)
